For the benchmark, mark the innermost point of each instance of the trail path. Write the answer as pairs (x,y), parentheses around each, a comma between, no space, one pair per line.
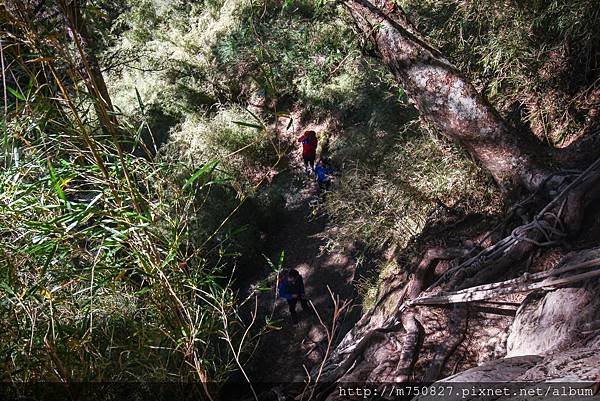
(283,354)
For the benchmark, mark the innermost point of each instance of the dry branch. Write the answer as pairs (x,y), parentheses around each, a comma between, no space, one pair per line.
(524,284)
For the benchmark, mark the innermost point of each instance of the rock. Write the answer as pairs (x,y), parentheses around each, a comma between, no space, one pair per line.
(465,385)
(580,364)
(523,376)
(500,370)
(553,321)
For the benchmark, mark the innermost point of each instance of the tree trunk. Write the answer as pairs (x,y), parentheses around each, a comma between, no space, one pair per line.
(448,100)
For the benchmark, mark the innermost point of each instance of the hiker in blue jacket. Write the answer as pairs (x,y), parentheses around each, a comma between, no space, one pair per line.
(291,287)
(323,173)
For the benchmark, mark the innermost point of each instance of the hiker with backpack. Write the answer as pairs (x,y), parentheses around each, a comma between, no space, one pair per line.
(291,287)
(323,173)
(309,149)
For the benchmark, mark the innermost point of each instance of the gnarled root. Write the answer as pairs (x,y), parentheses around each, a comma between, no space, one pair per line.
(458,324)
(410,349)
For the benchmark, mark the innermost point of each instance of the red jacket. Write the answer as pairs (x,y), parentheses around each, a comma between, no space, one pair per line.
(309,143)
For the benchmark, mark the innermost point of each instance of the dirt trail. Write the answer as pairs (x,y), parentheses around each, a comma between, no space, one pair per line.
(283,354)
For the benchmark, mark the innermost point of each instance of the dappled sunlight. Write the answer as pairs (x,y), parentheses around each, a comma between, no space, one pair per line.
(171,170)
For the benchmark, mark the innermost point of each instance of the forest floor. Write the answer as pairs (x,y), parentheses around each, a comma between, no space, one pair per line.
(287,352)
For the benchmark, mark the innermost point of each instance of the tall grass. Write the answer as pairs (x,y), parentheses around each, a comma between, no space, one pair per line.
(108,268)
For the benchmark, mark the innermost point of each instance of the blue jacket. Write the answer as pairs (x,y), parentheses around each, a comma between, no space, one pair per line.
(322,173)
(287,290)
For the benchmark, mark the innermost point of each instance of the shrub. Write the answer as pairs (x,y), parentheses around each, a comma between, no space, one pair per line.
(114,267)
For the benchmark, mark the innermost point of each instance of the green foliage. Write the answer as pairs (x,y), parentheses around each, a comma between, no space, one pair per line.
(247,152)
(370,287)
(362,92)
(286,49)
(108,288)
(393,180)
(193,56)
(394,171)
(116,251)
(115,266)
(536,60)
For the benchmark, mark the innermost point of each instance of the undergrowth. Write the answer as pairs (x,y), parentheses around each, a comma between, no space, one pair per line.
(120,227)
(116,263)
(537,61)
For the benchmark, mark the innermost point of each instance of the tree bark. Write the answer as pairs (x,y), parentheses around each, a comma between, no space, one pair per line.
(446,99)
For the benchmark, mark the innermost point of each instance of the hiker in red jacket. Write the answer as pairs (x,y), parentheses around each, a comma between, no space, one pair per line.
(309,149)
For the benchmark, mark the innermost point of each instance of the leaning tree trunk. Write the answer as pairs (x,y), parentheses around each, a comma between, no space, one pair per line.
(447,99)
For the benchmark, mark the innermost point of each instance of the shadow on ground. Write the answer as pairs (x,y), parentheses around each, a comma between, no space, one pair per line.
(286,353)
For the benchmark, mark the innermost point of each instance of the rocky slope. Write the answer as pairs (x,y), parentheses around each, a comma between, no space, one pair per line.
(554,335)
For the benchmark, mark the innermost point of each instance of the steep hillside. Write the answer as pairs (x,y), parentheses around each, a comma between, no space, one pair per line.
(154,195)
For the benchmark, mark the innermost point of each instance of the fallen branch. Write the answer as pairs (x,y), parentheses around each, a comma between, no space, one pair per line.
(523,284)
(533,277)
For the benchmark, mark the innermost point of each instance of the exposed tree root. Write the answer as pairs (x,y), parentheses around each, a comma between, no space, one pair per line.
(422,275)
(457,329)
(333,373)
(410,349)
(561,217)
